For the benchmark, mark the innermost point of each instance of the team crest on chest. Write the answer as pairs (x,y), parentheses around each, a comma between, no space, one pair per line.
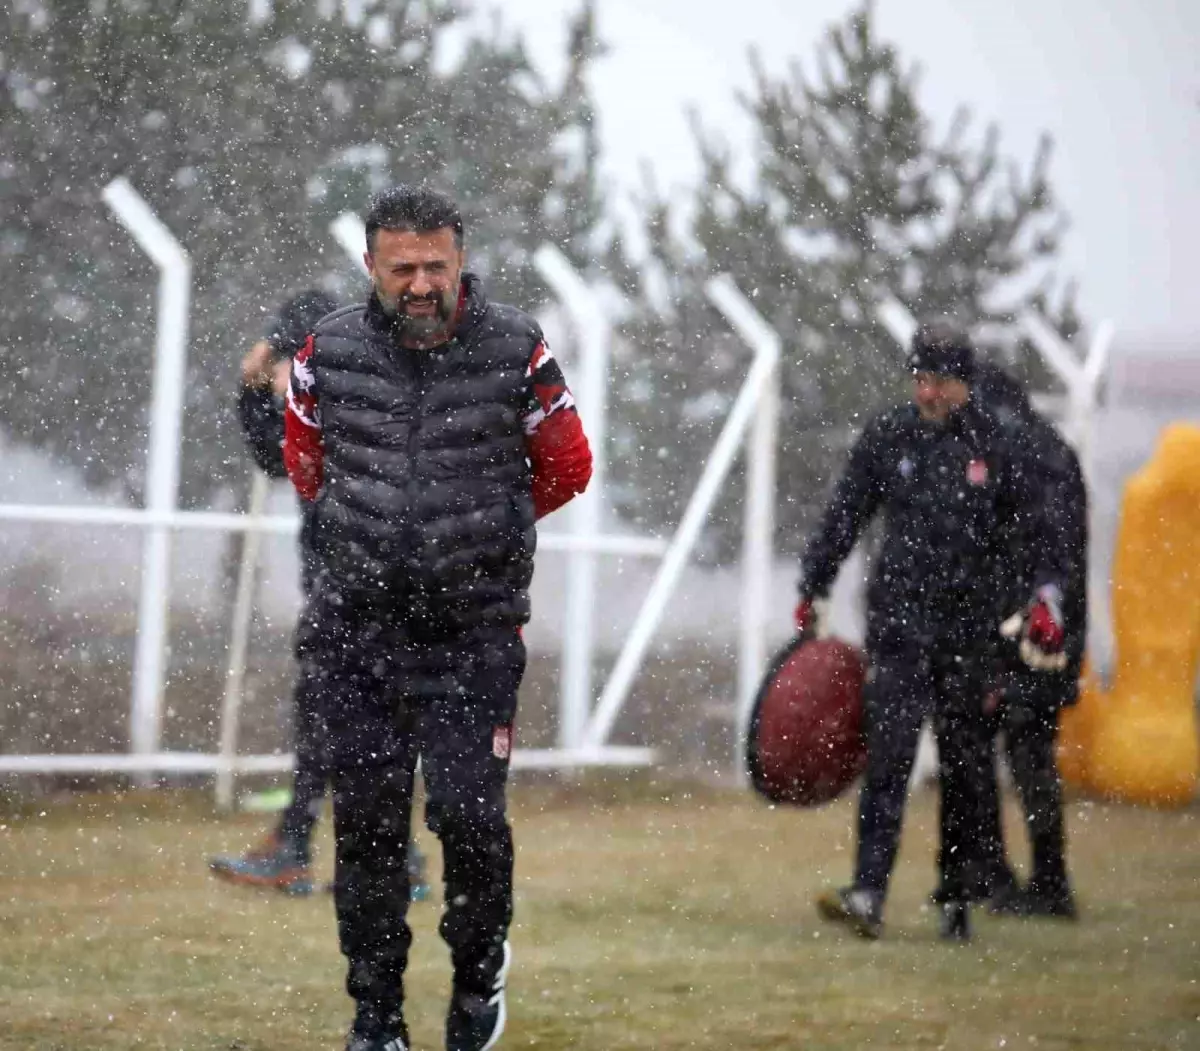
(502,742)
(906,468)
(977,472)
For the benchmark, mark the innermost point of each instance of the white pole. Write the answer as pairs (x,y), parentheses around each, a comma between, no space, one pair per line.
(758,516)
(896,318)
(1055,350)
(351,233)
(720,460)
(162,468)
(239,636)
(592,336)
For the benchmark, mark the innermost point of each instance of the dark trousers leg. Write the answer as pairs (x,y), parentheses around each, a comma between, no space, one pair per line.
(465,766)
(965,757)
(895,702)
(372,808)
(985,865)
(311,773)
(1032,729)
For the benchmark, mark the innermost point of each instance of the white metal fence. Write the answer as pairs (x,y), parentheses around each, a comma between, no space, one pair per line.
(585,721)
(583,732)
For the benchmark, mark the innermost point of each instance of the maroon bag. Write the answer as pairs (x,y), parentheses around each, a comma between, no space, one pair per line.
(805,743)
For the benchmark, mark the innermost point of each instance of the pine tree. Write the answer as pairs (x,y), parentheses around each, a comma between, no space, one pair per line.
(247,138)
(851,196)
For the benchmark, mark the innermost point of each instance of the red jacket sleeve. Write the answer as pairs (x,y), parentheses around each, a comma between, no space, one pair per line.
(303,441)
(561,459)
(554,439)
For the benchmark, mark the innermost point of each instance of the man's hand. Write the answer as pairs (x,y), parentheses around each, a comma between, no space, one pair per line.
(281,374)
(257,368)
(1039,631)
(809,616)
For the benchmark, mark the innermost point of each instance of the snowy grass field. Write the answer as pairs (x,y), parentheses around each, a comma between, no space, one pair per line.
(648,916)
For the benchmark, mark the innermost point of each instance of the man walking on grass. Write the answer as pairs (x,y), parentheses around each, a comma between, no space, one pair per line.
(432,428)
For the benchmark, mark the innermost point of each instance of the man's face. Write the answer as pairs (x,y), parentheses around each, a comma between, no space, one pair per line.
(416,275)
(937,396)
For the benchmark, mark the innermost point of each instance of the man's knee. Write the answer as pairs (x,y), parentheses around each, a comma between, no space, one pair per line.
(468,821)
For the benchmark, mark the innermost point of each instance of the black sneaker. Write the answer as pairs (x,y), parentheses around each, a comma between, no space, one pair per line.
(475,1023)
(1056,905)
(1011,901)
(1001,883)
(956,921)
(386,1042)
(860,909)
(369,1034)
(1033,903)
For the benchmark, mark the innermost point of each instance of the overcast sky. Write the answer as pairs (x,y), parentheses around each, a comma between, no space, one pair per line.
(1116,82)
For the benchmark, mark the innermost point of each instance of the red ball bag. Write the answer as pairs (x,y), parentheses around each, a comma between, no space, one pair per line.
(805,745)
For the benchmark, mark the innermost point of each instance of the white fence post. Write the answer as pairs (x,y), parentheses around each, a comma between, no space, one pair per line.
(239,637)
(162,468)
(592,337)
(895,317)
(646,624)
(758,515)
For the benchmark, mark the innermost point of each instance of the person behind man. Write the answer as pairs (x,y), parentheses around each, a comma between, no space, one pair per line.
(432,427)
(283,860)
(1028,699)
(953,488)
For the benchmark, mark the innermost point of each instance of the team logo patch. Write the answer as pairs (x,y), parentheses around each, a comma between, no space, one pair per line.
(502,742)
(906,468)
(977,472)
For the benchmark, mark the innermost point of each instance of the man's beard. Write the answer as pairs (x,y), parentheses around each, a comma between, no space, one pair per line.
(417,329)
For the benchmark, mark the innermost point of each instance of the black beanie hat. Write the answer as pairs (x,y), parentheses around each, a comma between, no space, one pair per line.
(944,349)
(287,331)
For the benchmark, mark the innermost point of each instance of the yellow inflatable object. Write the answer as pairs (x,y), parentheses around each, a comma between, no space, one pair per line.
(1138,742)
(1075,733)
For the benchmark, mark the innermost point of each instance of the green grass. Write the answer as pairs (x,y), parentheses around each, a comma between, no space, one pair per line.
(647,917)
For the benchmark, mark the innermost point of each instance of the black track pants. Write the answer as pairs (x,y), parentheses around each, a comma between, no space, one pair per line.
(451,706)
(900,695)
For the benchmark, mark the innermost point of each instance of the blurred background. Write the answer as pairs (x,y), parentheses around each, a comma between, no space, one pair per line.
(1023,160)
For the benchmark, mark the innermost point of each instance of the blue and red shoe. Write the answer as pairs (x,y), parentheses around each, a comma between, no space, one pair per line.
(276,864)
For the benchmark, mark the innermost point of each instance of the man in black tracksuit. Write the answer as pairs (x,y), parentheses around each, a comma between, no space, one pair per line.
(283,860)
(431,428)
(954,488)
(1029,699)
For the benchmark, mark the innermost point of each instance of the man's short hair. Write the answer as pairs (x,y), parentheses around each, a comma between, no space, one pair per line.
(297,317)
(944,348)
(418,208)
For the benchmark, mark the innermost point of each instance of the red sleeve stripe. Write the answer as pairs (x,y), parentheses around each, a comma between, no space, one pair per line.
(303,442)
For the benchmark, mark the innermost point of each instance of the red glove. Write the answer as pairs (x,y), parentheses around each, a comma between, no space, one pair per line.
(1045,625)
(1039,631)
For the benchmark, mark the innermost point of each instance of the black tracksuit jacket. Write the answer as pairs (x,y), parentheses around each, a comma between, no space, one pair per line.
(965,524)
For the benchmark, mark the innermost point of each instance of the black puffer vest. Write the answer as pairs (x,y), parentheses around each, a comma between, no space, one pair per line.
(426,508)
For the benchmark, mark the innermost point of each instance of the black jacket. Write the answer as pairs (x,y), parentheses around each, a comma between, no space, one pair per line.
(957,500)
(426,502)
(1062,492)
(261,414)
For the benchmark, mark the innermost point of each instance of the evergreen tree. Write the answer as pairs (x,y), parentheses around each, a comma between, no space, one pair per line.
(851,196)
(246,137)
